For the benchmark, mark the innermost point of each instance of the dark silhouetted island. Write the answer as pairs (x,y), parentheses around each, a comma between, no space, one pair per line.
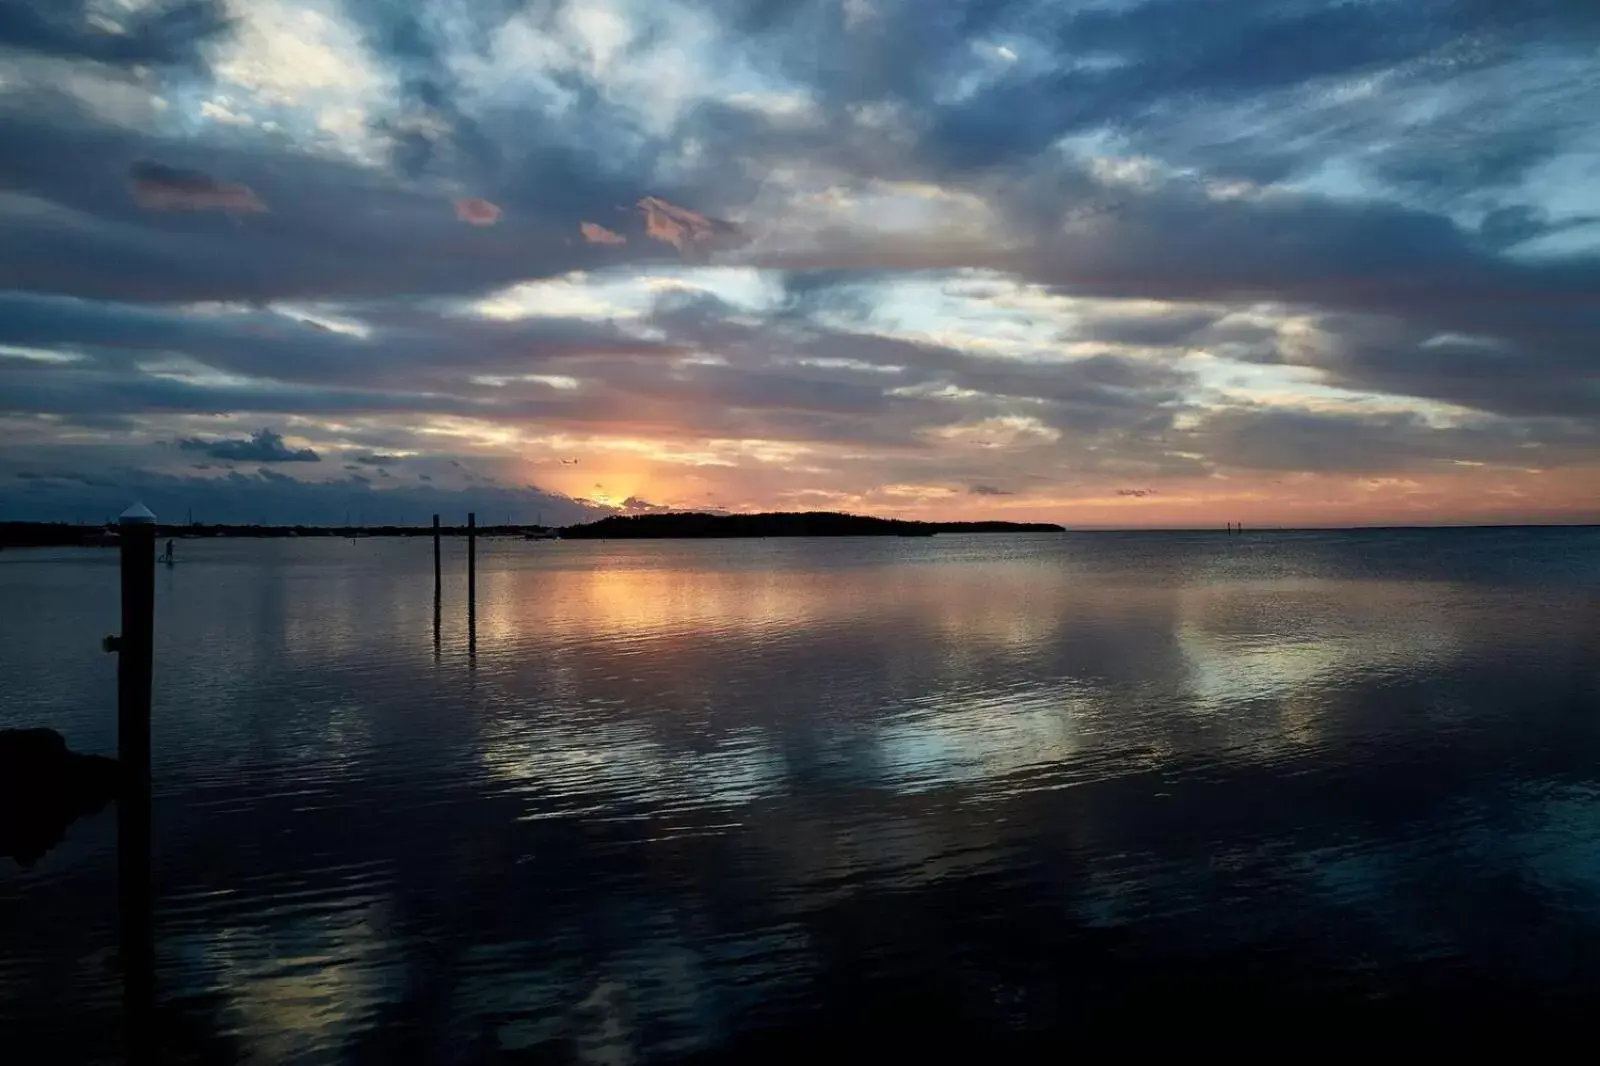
(783,524)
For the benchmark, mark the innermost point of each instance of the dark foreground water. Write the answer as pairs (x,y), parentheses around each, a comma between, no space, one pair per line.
(768,799)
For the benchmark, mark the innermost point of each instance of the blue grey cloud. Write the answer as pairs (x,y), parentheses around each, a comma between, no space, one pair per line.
(172,32)
(262,446)
(264,495)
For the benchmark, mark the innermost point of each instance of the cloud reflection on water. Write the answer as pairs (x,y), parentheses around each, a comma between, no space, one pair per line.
(690,788)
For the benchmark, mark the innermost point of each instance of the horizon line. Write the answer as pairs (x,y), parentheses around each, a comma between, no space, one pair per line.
(1235,527)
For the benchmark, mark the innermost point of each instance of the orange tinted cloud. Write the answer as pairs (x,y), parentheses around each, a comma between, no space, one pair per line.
(595,233)
(475,211)
(156,187)
(682,228)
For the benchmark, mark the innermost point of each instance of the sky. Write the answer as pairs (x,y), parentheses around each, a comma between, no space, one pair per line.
(1112,263)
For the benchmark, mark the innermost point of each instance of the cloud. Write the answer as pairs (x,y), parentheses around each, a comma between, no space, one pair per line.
(1297,439)
(264,495)
(686,230)
(1137,494)
(635,505)
(988,490)
(379,460)
(475,211)
(595,233)
(157,33)
(263,446)
(162,188)
(406,348)
(339,229)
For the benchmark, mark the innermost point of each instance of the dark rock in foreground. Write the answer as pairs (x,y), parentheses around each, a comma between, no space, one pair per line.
(783,524)
(44,788)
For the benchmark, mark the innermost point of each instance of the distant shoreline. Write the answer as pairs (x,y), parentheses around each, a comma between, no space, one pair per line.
(698,526)
(68,535)
(680,525)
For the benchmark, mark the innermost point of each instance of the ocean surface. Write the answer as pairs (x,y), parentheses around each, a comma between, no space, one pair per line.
(732,801)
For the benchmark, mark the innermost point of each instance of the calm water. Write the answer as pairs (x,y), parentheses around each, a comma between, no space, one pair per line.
(702,799)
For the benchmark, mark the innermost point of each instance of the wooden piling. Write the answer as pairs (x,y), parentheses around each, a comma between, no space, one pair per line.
(135,646)
(437,585)
(472,581)
(135,653)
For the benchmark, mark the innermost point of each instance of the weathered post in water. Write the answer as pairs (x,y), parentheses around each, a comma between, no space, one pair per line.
(135,645)
(436,586)
(472,581)
(135,652)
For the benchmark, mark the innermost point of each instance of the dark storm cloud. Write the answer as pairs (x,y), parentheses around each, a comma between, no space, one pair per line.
(1121,66)
(335,229)
(1145,58)
(172,32)
(262,446)
(72,390)
(1296,439)
(1559,378)
(407,347)
(1174,242)
(379,460)
(264,495)
(161,188)
(1160,331)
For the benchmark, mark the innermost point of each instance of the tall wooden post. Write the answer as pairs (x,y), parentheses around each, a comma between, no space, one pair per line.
(135,652)
(437,587)
(472,581)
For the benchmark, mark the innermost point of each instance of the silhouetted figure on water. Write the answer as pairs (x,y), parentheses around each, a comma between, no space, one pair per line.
(44,788)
